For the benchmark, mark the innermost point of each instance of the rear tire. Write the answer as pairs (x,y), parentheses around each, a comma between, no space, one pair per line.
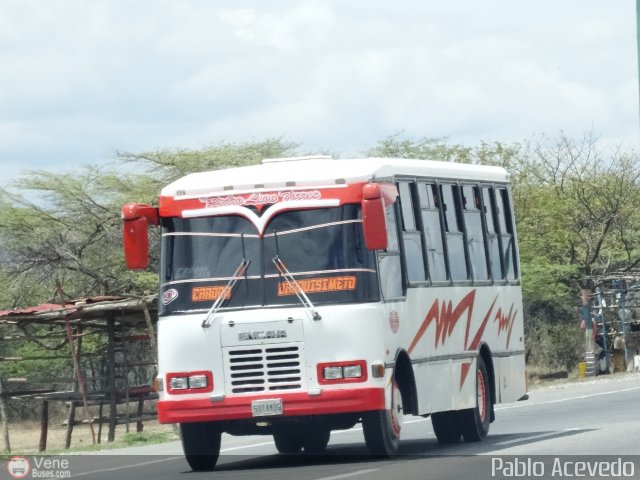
(382,427)
(201,444)
(288,442)
(475,421)
(446,426)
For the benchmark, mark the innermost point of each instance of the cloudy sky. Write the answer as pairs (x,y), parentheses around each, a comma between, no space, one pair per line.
(80,79)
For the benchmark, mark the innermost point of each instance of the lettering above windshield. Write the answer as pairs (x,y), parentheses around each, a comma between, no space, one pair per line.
(325,284)
(259,199)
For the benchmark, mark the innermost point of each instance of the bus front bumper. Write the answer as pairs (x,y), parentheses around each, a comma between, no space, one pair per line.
(294,404)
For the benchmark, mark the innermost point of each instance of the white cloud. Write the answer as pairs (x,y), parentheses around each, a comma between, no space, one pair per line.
(80,79)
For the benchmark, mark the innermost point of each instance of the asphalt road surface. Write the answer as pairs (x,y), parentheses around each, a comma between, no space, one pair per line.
(595,421)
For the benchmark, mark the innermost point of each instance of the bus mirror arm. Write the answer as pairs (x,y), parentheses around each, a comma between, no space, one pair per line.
(373,217)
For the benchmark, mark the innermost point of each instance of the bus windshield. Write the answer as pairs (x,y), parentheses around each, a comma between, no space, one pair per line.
(322,248)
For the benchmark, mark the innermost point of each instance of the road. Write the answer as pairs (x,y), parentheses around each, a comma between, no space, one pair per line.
(585,418)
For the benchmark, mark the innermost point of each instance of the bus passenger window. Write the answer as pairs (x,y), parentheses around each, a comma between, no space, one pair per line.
(432,228)
(475,234)
(488,199)
(392,229)
(454,234)
(411,237)
(506,234)
(389,266)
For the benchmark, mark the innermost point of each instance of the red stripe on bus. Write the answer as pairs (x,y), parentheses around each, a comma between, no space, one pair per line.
(294,404)
(172,207)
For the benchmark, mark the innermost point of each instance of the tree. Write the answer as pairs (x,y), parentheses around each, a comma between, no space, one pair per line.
(165,166)
(66,227)
(583,200)
(433,148)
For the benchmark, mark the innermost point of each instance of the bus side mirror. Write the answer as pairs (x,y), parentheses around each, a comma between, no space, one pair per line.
(373,219)
(136,218)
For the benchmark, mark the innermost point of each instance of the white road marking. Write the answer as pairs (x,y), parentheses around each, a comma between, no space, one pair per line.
(124,467)
(524,439)
(352,474)
(231,449)
(560,400)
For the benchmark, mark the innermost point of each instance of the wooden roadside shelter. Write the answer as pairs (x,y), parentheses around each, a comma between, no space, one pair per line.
(106,356)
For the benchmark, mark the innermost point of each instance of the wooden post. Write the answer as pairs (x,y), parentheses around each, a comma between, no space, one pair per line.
(111,385)
(44,426)
(71,420)
(79,377)
(100,424)
(125,371)
(140,424)
(76,361)
(147,318)
(5,421)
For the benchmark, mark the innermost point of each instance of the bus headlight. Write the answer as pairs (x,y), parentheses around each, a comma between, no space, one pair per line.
(332,373)
(198,381)
(342,372)
(179,383)
(352,371)
(189,382)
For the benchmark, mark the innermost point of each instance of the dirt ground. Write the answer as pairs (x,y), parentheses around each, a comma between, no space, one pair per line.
(24,437)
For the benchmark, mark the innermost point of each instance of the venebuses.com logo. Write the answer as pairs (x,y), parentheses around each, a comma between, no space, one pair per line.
(38,467)
(18,467)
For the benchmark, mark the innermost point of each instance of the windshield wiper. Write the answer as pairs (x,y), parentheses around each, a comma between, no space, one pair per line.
(295,286)
(228,289)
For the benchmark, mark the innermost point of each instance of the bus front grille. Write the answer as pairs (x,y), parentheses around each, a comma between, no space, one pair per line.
(264,368)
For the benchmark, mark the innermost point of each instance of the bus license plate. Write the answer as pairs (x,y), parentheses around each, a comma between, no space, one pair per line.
(265,408)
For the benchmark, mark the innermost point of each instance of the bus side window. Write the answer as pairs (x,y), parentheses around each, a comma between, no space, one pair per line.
(454,233)
(392,229)
(432,230)
(390,269)
(476,246)
(411,238)
(489,207)
(505,222)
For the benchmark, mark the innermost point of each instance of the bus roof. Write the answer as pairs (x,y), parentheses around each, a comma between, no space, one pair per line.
(319,171)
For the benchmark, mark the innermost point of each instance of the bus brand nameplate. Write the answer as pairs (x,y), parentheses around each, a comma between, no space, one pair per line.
(266,408)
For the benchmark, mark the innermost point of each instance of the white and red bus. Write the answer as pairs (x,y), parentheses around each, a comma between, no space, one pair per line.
(305,295)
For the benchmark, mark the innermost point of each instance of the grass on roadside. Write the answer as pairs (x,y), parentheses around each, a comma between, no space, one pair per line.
(24,439)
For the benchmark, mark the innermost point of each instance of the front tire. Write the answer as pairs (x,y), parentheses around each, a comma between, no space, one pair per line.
(382,428)
(201,444)
(316,440)
(287,442)
(475,421)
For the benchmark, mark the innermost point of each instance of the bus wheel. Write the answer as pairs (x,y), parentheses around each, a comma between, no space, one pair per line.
(315,441)
(287,442)
(475,421)
(201,444)
(446,426)
(382,427)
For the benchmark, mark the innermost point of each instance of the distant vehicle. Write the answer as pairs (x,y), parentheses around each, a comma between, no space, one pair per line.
(305,295)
